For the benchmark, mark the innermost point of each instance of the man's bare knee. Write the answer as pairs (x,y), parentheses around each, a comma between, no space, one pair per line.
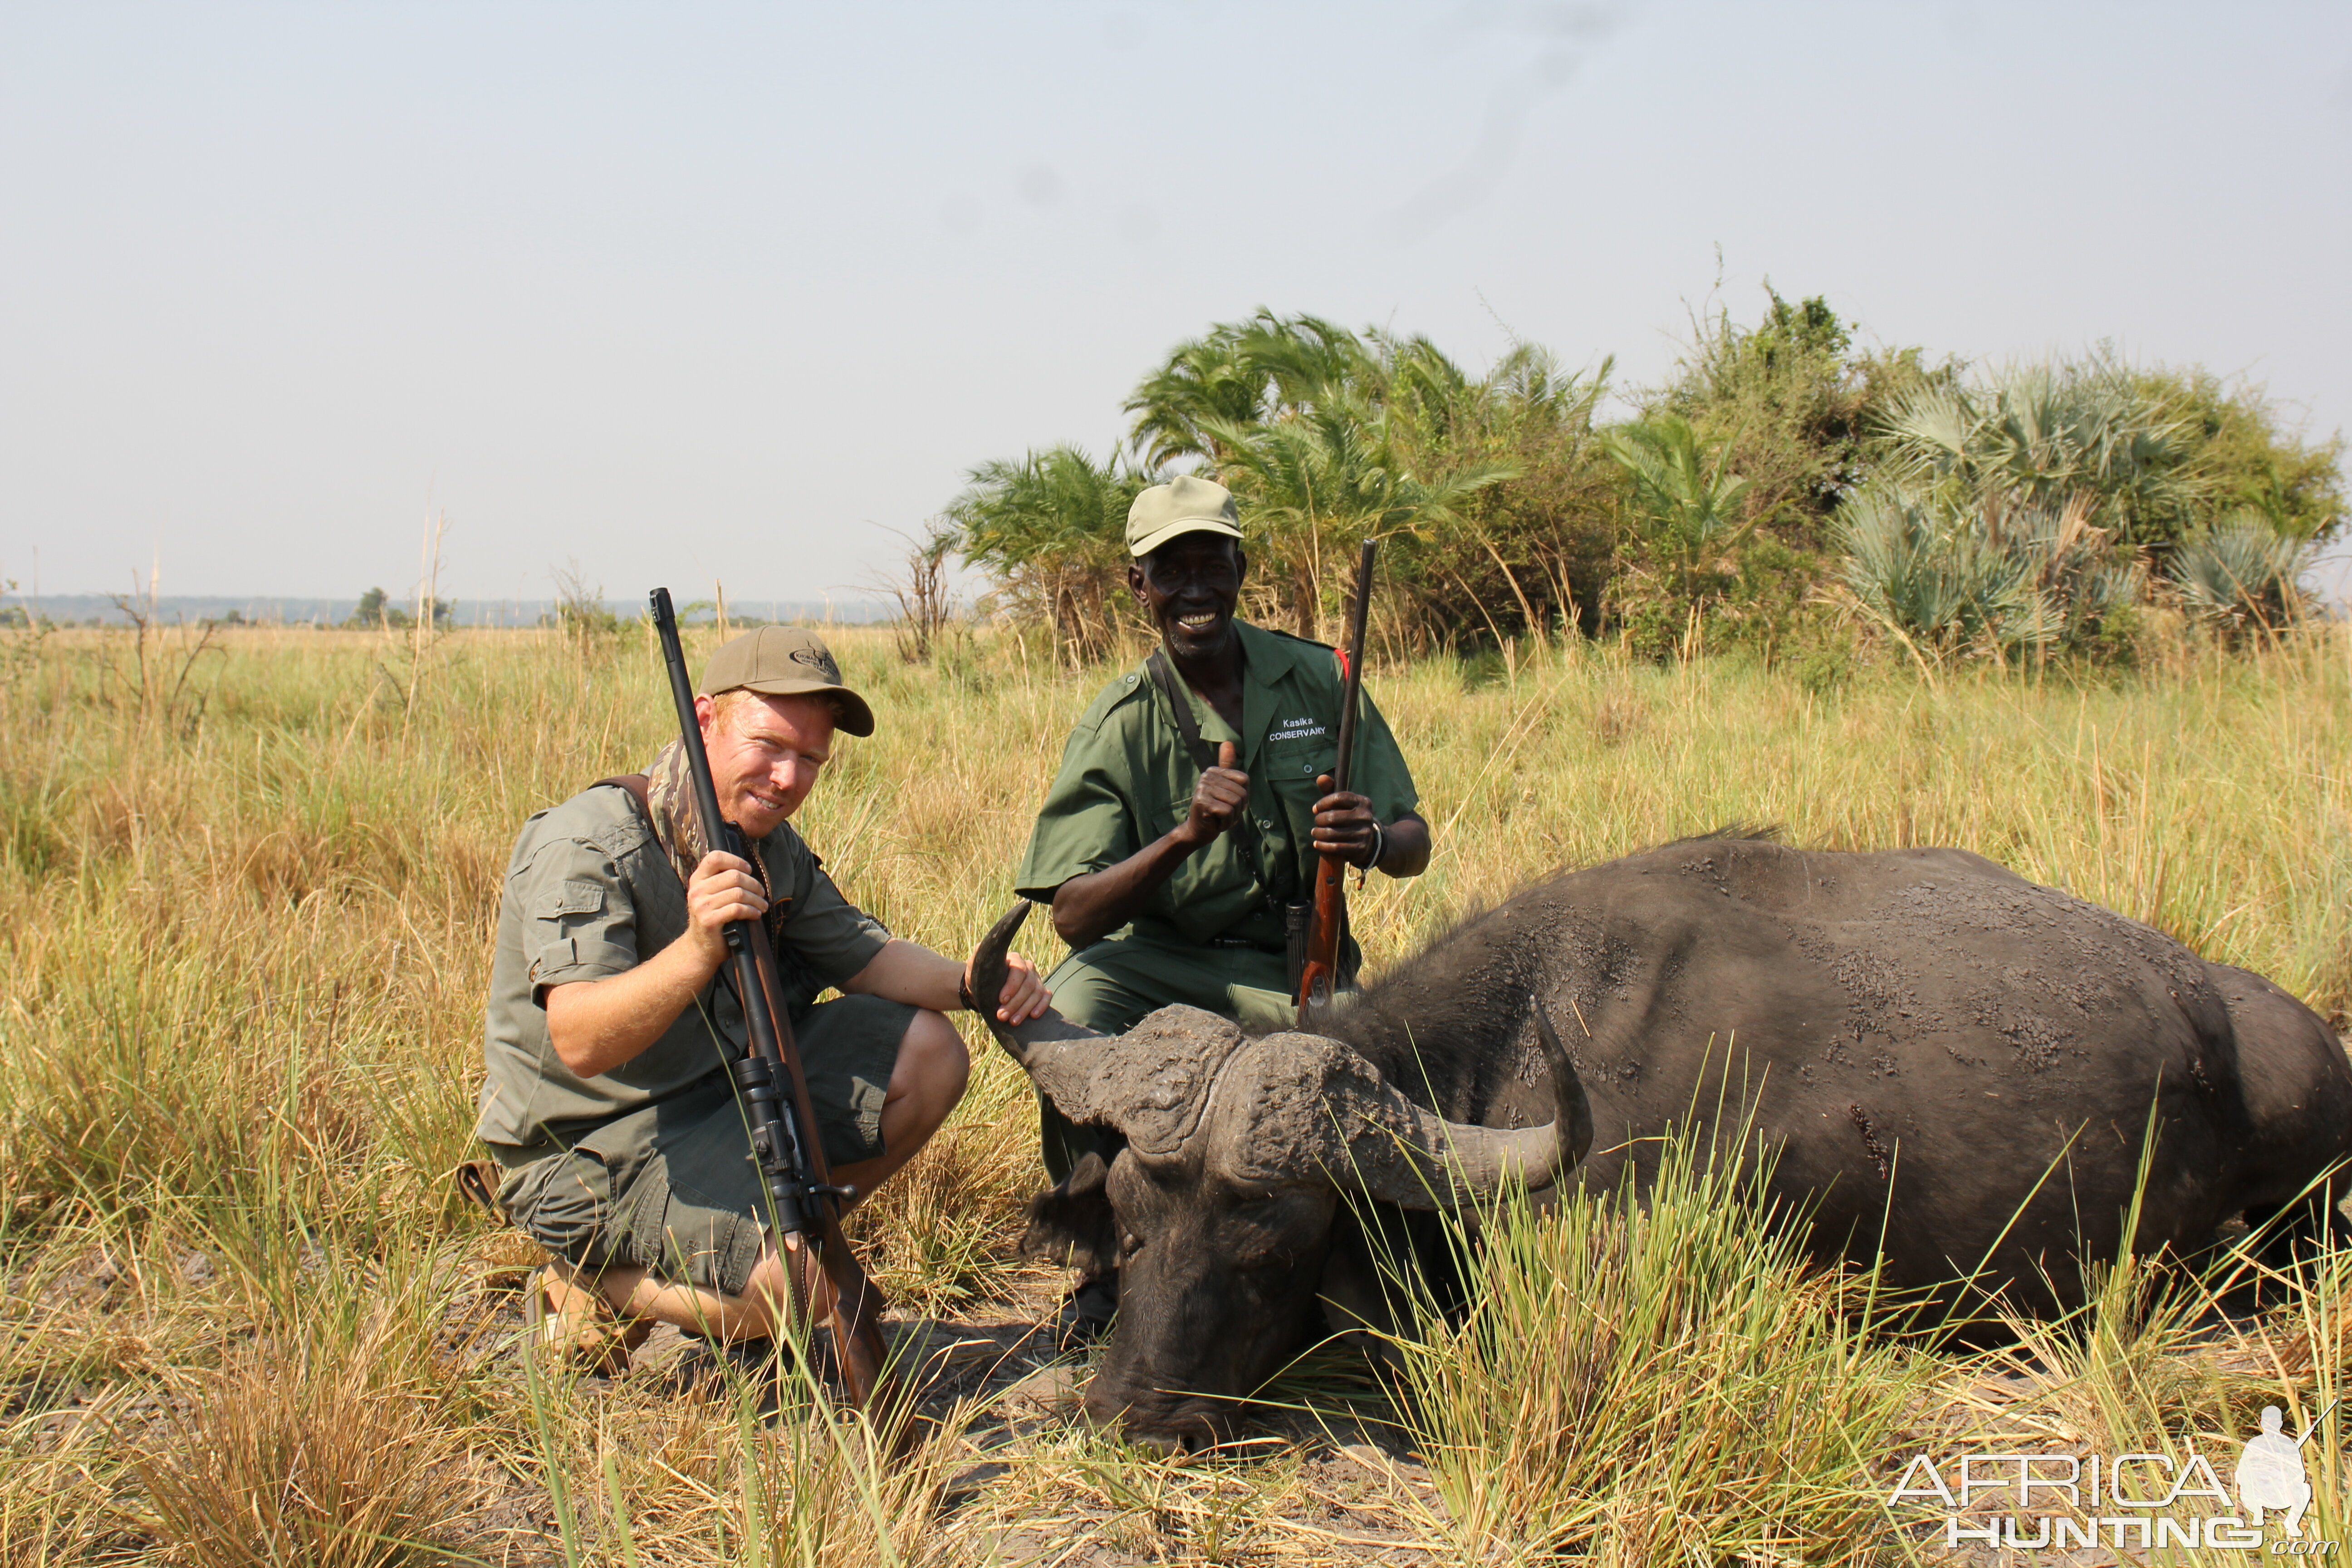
(932,1060)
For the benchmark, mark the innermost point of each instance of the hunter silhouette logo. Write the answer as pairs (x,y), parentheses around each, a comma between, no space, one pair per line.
(2270,1473)
(2060,1502)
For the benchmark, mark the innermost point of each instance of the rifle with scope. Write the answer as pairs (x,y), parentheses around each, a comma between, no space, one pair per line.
(804,1203)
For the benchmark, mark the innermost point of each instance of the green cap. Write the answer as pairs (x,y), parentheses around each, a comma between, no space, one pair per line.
(1186,504)
(785,661)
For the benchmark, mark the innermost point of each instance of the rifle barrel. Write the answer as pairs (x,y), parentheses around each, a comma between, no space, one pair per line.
(783,1165)
(690,726)
(1351,698)
(1321,971)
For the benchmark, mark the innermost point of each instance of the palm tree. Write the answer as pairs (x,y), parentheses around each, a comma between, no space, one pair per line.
(1239,372)
(2041,433)
(2000,575)
(1324,479)
(2242,574)
(1686,507)
(1051,528)
(1204,379)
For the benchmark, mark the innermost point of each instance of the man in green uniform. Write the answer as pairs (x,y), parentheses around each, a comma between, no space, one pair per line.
(608,1107)
(1170,880)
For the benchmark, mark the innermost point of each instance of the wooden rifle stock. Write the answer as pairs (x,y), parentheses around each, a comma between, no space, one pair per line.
(803,1200)
(1320,973)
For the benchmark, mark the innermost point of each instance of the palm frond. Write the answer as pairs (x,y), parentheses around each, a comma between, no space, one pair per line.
(2243,573)
(2005,575)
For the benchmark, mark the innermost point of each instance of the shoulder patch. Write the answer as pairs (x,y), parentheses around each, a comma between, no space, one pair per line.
(622,839)
(571,897)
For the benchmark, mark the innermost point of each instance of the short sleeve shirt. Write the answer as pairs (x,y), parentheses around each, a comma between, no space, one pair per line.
(1127,779)
(590,893)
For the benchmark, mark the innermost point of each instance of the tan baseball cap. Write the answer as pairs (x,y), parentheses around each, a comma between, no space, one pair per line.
(785,661)
(1186,504)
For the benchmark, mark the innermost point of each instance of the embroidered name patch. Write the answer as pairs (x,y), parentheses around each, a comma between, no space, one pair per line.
(1295,730)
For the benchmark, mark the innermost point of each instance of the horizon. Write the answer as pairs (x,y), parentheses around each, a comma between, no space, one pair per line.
(470,614)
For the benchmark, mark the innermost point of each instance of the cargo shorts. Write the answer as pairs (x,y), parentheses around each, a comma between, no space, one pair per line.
(672,1187)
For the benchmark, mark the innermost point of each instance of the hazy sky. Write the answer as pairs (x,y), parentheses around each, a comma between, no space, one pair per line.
(697,290)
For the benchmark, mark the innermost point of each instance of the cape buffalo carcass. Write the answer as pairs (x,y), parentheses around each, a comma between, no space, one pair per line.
(1944,1055)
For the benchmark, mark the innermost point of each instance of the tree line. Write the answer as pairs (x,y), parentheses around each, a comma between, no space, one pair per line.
(1783,487)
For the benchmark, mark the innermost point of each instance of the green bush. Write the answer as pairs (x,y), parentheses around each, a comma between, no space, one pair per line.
(2020,508)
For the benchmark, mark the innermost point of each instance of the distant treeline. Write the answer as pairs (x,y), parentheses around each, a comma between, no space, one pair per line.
(376,609)
(1783,487)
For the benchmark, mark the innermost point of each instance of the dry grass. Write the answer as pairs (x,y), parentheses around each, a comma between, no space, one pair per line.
(244,929)
(305,1454)
(1667,1381)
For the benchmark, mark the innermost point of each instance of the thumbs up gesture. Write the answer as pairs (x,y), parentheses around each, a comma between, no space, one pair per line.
(1219,800)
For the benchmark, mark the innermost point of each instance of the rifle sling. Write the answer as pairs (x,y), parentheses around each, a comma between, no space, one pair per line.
(1163,676)
(1205,757)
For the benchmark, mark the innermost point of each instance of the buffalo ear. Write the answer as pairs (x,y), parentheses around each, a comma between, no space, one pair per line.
(1073,1224)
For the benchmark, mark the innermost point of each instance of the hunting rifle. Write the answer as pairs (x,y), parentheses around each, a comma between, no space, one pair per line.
(774,1093)
(1321,971)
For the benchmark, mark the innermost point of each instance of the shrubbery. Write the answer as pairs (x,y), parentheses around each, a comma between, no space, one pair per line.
(1784,492)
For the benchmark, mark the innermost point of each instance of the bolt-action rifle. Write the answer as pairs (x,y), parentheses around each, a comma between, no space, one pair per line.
(1321,971)
(768,1079)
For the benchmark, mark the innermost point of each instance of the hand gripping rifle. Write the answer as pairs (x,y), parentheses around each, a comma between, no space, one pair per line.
(1321,971)
(775,1094)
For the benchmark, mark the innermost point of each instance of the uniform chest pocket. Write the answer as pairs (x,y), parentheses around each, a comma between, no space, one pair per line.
(1297,766)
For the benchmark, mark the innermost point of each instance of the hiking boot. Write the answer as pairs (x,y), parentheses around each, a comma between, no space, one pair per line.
(577,1329)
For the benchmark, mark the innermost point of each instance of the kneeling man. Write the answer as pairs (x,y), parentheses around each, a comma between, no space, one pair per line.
(608,1104)
(1194,805)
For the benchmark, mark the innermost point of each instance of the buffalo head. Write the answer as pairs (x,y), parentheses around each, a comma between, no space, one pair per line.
(1221,1210)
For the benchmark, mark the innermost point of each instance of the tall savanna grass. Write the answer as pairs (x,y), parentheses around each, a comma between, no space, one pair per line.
(245,930)
(1665,1378)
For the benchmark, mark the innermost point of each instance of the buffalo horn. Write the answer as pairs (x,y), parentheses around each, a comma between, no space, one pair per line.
(1041,1045)
(1430,1163)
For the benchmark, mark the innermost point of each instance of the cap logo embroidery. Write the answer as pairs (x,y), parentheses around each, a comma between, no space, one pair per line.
(822,663)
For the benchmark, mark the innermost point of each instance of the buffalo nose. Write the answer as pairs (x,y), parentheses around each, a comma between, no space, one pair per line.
(1166,1436)
(1161,1444)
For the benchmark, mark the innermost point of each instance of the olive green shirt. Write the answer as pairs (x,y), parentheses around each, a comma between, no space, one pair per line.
(589,893)
(1127,780)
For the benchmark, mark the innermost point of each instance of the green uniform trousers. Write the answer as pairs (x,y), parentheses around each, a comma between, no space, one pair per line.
(1114,984)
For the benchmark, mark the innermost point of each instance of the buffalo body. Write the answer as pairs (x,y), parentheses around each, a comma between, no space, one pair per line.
(1958,1072)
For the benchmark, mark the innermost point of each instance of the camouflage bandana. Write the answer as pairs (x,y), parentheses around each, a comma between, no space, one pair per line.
(678,828)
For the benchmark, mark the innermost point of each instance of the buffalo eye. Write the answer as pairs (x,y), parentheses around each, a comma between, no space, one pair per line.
(1129,1244)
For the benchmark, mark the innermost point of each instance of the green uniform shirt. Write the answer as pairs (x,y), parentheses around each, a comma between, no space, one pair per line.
(1127,779)
(588,894)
